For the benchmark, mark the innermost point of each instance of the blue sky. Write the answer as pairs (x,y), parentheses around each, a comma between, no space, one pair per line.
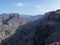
(29,7)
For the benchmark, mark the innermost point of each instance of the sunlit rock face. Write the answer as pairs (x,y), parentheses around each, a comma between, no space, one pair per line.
(44,31)
(9,23)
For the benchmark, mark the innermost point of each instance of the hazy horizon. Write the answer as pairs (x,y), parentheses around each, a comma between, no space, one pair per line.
(28,7)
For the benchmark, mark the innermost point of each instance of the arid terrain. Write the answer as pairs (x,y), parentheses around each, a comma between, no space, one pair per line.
(43,31)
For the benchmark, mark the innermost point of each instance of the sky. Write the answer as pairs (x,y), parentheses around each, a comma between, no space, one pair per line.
(28,7)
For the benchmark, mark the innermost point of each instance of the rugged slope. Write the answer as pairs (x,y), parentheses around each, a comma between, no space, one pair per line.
(40,32)
(9,23)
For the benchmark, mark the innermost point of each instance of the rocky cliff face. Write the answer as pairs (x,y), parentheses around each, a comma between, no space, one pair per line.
(9,23)
(40,32)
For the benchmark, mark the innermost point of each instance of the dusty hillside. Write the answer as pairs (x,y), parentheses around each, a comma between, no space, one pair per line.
(9,23)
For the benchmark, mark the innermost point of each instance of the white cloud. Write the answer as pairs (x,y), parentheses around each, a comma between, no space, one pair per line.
(41,9)
(20,4)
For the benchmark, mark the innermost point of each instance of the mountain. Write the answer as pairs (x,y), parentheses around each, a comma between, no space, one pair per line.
(9,23)
(44,31)
(33,18)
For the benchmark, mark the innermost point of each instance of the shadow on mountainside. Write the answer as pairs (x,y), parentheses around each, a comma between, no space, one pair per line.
(45,31)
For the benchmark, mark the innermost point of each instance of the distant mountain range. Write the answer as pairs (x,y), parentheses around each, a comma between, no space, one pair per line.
(44,31)
(33,18)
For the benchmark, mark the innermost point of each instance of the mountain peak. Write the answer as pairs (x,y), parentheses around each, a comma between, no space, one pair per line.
(58,10)
(54,15)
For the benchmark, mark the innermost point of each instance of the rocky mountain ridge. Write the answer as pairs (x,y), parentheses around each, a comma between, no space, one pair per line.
(9,23)
(45,31)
